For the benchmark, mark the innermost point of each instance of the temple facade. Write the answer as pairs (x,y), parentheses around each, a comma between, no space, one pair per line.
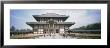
(50,23)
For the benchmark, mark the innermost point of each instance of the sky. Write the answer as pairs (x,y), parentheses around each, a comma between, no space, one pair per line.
(81,17)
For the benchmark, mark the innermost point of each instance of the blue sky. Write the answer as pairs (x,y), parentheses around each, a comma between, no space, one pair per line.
(82,17)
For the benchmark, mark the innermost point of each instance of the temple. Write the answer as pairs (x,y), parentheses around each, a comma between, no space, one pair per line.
(50,23)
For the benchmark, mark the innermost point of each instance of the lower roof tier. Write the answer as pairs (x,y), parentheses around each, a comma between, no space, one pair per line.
(72,23)
(44,23)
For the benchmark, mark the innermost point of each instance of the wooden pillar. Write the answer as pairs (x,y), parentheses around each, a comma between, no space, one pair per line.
(38,29)
(33,28)
(68,27)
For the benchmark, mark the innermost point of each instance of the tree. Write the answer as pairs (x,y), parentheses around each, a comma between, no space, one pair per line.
(12,28)
(95,26)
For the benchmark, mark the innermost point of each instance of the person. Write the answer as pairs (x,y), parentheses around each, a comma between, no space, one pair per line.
(66,35)
(44,35)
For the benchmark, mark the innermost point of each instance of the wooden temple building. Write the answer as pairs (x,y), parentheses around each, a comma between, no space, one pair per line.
(50,23)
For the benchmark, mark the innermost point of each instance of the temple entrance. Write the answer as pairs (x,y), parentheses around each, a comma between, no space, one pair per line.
(44,31)
(51,31)
(57,30)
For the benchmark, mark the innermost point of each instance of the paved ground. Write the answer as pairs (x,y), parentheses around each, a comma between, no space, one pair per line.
(54,36)
(57,36)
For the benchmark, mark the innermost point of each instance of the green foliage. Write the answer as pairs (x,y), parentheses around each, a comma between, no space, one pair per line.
(12,28)
(94,26)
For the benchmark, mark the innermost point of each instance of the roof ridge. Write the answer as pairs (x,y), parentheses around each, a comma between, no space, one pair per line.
(50,15)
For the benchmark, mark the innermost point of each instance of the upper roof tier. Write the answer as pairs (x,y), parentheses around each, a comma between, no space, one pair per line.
(50,15)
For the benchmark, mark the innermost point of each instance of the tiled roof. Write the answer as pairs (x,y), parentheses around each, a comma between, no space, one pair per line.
(48,23)
(50,15)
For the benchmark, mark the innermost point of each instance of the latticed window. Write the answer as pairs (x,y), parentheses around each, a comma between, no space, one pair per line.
(36,30)
(41,26)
